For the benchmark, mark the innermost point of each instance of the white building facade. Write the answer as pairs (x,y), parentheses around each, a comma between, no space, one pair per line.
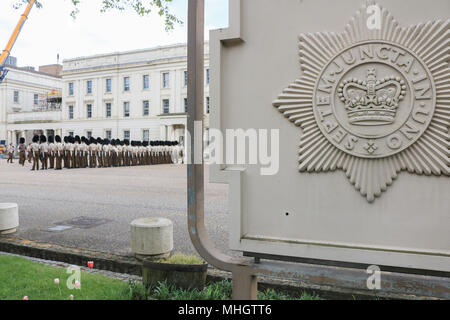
(137,95)
(24,110)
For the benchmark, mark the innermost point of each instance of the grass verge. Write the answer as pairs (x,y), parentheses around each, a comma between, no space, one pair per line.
(20,277)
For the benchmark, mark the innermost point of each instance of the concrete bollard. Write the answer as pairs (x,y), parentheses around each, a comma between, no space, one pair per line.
(9,218)
(151,238)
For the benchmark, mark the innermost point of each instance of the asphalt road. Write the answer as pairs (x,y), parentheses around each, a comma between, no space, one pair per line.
(113,196)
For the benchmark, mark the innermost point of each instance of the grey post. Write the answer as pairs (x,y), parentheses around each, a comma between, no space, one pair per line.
(245,283)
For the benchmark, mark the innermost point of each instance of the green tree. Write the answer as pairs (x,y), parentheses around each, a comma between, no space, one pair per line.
(141,7)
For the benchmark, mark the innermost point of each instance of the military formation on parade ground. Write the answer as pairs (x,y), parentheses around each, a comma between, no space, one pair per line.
(75,152)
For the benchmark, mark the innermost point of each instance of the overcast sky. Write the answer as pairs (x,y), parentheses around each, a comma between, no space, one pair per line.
(50,30)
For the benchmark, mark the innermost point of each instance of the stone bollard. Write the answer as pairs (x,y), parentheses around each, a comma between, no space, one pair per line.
(151,238)
(9,218)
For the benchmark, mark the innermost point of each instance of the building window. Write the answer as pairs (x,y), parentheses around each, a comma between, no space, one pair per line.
(126,109)
(186,78)
(166,106)
(108,85)
(185,105)
(146,108)
(207,76)
(70,88)
(108,134)
(36,99)
(207,105)
(70,112)
(146,81)
(89,87)
(89,111)
(126,84)
(146,135)
(71,133)
(126,135)
(16,96)
(166,80)
(88,134)
(108,110)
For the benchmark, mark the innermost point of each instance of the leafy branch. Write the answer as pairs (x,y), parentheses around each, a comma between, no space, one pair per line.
(141,7)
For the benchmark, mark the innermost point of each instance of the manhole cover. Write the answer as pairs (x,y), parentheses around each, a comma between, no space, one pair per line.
(59,228)
(84,222)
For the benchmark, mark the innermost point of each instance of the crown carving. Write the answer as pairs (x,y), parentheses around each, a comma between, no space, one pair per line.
(372,102)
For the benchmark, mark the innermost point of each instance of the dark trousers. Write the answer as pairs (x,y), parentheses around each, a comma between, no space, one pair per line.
(51,158)
(22,157)
(58,161)
(44,160)
(36,156)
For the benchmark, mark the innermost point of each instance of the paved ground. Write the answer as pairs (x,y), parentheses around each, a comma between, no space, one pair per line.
(117,195)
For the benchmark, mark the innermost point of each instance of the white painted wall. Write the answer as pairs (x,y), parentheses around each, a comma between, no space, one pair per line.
(115,66)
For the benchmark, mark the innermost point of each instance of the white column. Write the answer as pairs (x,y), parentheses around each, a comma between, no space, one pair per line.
(170,133)
(163,132)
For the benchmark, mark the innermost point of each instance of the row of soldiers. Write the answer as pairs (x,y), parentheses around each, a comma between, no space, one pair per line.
(76,152)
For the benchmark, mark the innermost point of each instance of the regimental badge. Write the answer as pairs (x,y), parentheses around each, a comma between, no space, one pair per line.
(373,102)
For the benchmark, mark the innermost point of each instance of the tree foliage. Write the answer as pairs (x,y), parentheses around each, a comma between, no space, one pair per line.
(141,7)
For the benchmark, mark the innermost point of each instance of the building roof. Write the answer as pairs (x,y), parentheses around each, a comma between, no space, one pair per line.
(128,52)
(31,71)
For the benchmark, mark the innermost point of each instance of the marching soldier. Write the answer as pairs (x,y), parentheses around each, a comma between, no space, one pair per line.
(128,154)
(10,153)
(113,152)
(67,156)
(44,152)
(145,153)
(29,153)
(149,153)
(72,155)
(100,152)
(92,153)
(35,149)
(59,153)
(51,151)
(22,151)
(76,152)
(120,153)
(106,154)
(83,153)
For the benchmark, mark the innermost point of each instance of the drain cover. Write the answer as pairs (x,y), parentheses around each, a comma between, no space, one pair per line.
(84,222)
(59,228)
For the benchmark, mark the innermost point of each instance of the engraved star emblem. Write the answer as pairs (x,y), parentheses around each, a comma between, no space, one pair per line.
(398,131)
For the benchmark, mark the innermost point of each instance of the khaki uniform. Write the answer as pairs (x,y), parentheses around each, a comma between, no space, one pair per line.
(120,156)
(44,155)
(67,155)
(35,149)
(29,153)
(92,155)
(51,155)
(59,155)
(100,155)
(106,155)
(10,154)
(83,155)
(22,154)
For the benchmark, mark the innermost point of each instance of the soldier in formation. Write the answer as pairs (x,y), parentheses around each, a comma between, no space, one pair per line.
(81,152)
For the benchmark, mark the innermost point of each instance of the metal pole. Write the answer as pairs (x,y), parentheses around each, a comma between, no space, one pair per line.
(244,282)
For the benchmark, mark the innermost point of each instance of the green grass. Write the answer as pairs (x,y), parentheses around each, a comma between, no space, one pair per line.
(179,258)
(21,277)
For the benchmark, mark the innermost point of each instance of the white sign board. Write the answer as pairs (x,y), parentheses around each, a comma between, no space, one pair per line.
(360,94)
